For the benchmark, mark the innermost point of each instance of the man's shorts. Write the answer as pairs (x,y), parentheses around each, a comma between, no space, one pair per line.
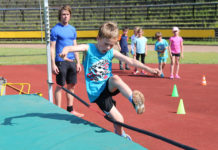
(67,73)
(105,101)
(162,59)
(177,55)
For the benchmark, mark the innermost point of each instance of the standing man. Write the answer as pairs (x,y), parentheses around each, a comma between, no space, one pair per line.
(63,34)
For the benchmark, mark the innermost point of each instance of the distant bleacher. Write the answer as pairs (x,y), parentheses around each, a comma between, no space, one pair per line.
(25,15)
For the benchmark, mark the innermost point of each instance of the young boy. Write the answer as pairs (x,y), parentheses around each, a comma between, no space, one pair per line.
(123,42)
(161,47)
(101,84)
(176,51)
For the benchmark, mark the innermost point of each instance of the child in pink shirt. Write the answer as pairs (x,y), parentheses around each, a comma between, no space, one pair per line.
(176,51)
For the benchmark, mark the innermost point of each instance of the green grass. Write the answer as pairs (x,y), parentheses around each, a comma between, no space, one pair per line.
(21,56)
(150,41)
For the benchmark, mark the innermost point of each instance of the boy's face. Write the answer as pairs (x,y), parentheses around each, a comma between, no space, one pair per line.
(65,17)
(159,38)
(105,44)
(125,32)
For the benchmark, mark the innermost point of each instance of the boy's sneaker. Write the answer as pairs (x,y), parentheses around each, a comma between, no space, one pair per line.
(171,76)
(127,137)
(177,76)
(143,72)
(162,75)
(127,68)
(135,72)
(138,101)
(121,68)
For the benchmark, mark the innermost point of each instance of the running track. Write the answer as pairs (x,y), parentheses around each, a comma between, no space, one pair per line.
(197,128)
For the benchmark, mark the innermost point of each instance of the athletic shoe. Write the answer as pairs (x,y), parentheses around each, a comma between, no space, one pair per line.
(75,113)
(127,68)
(177,76)
(121,68)
(138,101)
(143,72)
(162,75)
(127,137)
(132,52)
(171,76)
(135,72)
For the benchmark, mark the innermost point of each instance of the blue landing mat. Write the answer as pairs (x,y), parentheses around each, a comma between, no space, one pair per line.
(30,122)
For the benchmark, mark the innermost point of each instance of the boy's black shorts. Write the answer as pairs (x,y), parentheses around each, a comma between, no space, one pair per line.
(105,101)
(67,73)
(177,55)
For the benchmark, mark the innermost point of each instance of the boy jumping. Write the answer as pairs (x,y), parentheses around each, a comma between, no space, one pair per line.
(101,84)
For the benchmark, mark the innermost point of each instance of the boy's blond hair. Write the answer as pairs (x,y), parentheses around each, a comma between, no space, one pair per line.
(108,30)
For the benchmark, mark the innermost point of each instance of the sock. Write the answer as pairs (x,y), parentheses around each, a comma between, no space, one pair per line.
(69,108)
(130,98)
(123,134)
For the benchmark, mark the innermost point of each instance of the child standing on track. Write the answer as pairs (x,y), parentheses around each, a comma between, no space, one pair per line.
(133,37)
(140,48)
(176,50)
(123,42)
(101,84)
(161,47)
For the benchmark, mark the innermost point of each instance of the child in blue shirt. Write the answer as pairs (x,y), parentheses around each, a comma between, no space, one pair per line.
(101,84)
(123,41)
(161,46)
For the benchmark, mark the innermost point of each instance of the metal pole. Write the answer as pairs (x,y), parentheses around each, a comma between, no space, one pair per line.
(47,38)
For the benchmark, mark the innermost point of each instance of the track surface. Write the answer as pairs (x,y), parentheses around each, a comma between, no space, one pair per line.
(197,128)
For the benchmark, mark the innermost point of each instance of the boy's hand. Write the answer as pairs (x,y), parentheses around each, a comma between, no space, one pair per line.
(156,72)
(63,54)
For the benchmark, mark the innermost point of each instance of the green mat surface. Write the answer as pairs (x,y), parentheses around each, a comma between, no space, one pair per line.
(30,122)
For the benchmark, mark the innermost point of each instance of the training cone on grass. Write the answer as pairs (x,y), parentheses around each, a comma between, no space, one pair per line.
(181,109)
(204,82)
(175,92)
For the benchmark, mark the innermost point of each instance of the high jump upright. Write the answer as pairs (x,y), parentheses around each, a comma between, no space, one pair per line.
(47,39)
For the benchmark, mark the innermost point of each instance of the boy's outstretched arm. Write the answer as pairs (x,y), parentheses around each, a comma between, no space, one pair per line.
(77,48)
(136,63)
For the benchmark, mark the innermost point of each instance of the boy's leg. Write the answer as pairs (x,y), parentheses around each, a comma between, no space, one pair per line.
(121,63)
(70,108)
(127,67)
(160,60)
(71,79)
(161,69)
(58,95)
(116,115)
(135,97)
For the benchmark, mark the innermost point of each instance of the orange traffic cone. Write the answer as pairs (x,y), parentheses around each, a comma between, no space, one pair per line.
(204,82)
